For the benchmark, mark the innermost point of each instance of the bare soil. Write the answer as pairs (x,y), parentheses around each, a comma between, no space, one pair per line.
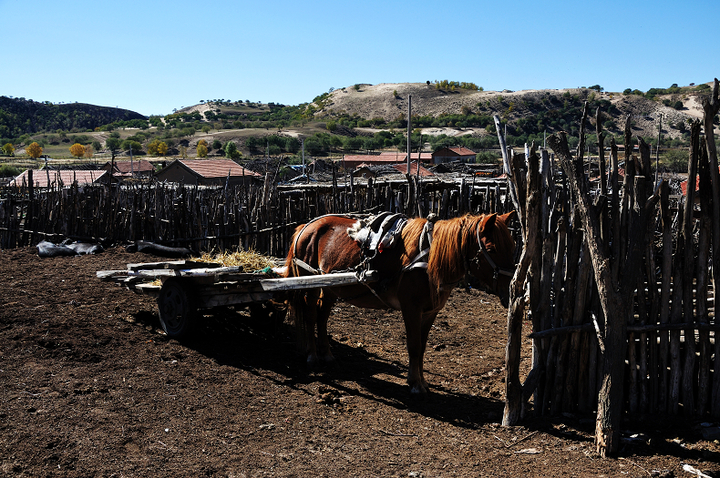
(90,386)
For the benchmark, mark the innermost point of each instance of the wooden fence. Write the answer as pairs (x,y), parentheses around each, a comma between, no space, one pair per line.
(261,217)
(620,280)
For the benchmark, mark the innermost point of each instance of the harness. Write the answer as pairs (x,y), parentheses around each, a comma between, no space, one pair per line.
(497,270)
(380,232)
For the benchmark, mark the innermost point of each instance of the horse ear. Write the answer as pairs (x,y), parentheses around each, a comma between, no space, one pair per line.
(506,218)
(488,221)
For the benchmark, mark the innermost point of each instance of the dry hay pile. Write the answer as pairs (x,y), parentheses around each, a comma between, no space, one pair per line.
(249,261)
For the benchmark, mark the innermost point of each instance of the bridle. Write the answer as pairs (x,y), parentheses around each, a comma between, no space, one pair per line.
(497,270)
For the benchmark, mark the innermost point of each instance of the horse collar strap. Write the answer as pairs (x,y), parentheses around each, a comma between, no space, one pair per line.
(420,261)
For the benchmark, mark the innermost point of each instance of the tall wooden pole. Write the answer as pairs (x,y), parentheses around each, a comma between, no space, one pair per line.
(409,131)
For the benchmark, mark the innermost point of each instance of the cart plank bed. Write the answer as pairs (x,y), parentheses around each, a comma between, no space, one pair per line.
(184,287)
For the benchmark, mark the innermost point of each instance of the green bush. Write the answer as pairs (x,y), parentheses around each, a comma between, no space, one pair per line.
(487,157)
(675,160)
(7,171)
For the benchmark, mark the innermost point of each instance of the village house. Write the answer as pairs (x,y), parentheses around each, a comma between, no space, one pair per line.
(374,170)
(130,169)
(455,153)
(206,172)
(45,178)
(352,161)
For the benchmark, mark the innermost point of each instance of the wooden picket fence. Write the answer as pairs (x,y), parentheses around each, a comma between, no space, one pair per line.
(620,282)
(261,217)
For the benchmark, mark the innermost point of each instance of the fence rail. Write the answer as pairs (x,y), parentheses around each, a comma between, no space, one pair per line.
(261,217)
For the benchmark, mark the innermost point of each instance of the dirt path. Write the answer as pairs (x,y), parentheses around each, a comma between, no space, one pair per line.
(89,386)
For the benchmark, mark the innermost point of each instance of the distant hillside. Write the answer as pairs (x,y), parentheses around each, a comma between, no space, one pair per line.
(528,111)
(364,118)
(19,116)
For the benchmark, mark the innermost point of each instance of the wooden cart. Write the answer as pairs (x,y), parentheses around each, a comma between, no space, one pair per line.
(184,287)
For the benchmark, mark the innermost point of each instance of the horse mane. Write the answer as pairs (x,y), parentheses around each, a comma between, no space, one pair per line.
(452,246)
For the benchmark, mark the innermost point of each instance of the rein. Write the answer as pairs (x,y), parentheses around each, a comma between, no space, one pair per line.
(497,270)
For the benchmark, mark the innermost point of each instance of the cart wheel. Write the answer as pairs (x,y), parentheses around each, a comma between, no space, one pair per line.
(269,312)
(175,309)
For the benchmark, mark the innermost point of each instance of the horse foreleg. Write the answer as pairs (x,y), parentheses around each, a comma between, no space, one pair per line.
(325,305)
(426,322)
(415,339)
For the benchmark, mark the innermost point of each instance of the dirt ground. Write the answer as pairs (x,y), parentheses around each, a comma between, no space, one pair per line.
(91,387)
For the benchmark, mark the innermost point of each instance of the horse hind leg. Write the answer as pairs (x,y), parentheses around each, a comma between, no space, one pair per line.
(324,308)
(304,308)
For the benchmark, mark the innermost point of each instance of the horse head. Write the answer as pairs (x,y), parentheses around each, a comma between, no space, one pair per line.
(493,264)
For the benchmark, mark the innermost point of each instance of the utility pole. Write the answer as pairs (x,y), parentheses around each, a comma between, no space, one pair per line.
(409,130)
(302,142)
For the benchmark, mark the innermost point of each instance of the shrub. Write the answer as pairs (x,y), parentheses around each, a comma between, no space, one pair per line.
(675,160)
(487,157)
(7,170)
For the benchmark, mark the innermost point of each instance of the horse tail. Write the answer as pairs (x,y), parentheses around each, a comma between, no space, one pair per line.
(297,301)
(290,270)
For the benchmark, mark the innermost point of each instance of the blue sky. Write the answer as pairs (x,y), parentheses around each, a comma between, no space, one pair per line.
(153,56)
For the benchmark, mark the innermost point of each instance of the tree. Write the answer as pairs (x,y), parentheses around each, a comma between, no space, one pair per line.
(113,144)
(77,150)
(89,151)
(34,150)
(231,150)
(8,149)
(157,148)
(202,150)
(133,146)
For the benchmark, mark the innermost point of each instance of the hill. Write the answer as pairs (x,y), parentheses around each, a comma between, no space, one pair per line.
(555,109)
(360,118)
(19,116)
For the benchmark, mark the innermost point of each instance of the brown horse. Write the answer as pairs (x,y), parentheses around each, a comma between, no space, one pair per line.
(479,245)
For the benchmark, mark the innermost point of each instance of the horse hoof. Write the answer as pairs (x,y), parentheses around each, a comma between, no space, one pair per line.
(312,362)
(328,360)
(418,391)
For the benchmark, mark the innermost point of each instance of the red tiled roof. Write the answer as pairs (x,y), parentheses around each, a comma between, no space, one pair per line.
(216,168)
(427,157)
(402,167)
(355,160)
(456,150)
(66,177)
(462,151)
(136,166)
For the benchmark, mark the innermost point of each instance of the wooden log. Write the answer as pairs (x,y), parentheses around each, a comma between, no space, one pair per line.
(711,106)
(701,289)
(513,386)
(614,298)
(574,246)
(687,239)
(573,376)
(665,297)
